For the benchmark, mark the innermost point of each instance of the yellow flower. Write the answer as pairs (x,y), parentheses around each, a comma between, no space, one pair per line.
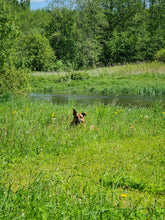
(53,114)
(123,195)
(115,113)
(122,110)
(27,109)
(14,112)
(140,116)
(163,113)
(132,127)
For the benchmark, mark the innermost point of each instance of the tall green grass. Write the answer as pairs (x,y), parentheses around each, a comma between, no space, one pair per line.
(110,168)
(139,79)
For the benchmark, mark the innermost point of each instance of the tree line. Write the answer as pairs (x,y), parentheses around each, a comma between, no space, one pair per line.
(75,34)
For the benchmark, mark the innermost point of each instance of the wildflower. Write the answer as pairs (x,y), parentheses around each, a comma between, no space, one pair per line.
(115,113)
(27,109)
(123,195)
(140,116)
(14,112)
(146,116)
(53,114)
(163,113)
(132,127)
(122,110)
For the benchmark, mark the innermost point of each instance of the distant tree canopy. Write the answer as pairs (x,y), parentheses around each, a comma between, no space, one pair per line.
(19,4)
(80,34)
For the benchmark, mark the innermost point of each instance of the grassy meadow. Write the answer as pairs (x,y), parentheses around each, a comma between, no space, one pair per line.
(111,167)
(136,79)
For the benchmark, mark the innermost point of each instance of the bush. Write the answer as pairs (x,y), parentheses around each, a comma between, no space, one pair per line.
(13,81)
(59,66)
(160,55)
(74,76)
(79,76)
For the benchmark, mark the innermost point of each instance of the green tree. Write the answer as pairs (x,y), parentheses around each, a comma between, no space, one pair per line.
(8,36)
(92,23)
(36,53)
(62,34)
(84,33)
(76,33)
(19,4)
(11,79)
(33,20)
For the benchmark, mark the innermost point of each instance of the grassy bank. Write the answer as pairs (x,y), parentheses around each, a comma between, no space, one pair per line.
(112,170)
(138,79)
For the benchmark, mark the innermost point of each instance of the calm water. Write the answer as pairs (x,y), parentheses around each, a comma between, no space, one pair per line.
(124,100)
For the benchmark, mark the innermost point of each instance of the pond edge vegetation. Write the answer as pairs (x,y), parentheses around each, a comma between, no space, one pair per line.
(146,79)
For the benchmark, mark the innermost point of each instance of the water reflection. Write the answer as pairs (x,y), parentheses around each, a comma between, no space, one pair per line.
(124,100)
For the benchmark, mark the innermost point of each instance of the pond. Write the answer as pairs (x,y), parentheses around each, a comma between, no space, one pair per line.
(122,100)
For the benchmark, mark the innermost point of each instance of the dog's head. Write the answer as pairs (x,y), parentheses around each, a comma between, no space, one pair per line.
(78,118)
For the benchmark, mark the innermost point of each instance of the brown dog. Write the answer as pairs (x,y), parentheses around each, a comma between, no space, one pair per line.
(78,118)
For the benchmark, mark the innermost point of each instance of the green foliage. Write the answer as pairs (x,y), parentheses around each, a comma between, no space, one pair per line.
(83,34)
(33,21)
(61,32)
(93,22)
(20,4)
(80,34)
(73,76)
(14,81)
(8,36)
(160,55)
(75,34)
(79,76)
(37,53)
(120,48)
(59,66)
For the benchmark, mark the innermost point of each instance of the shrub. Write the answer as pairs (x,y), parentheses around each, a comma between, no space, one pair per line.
(74,76)
(59,66)
(160,55)
(13,81)
(79,76)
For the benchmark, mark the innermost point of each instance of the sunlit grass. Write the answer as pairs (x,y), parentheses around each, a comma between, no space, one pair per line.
(138,79)
(111,167)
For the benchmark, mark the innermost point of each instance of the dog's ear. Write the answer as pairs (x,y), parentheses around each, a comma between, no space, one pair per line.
(74,112)
(83,113)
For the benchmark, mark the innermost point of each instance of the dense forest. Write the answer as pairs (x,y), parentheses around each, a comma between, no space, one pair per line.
(71,35)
